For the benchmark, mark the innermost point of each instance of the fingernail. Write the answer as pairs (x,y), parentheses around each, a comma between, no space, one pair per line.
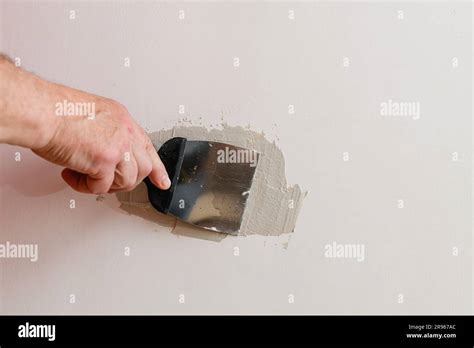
(165,181)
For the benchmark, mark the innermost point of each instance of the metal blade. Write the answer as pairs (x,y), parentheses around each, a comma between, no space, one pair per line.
(214,185)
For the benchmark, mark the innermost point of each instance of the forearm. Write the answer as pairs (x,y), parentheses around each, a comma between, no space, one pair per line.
(27,105)
(103,151)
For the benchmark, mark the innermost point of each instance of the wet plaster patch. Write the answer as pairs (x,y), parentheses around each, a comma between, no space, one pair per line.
(272,207)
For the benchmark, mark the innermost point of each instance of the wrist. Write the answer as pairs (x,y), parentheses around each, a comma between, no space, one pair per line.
(40,111)
(26,110)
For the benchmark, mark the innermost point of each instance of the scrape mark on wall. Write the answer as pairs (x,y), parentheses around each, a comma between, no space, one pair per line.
(272,206)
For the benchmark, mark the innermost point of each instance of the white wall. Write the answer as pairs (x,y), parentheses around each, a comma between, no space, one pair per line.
(408,251)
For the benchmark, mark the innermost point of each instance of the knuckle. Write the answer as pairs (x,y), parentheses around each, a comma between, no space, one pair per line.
(128,182)
(110,156)
(148,144)
(94,169)
(146,168)
(129,188)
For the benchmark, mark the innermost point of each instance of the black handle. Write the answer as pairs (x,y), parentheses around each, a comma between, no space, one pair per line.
(171,154)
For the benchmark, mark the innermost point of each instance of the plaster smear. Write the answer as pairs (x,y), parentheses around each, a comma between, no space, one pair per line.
(272,207)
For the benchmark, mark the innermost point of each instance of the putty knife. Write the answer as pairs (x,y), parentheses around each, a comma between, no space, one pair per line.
(210,183)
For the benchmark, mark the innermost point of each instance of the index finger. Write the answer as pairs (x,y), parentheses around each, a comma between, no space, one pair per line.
(158,175)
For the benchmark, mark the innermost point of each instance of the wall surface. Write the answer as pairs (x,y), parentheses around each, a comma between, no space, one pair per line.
(315,77)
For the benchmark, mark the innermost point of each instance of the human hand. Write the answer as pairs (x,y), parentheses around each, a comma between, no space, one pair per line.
(108,152)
